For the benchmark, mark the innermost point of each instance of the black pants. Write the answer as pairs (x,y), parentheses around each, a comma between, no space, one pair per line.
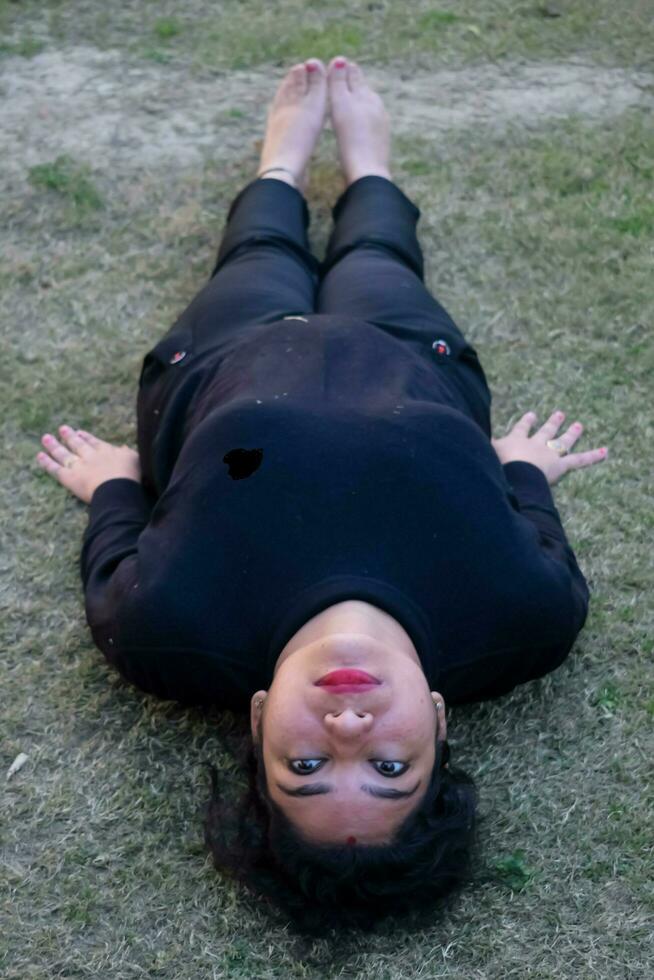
(373,270)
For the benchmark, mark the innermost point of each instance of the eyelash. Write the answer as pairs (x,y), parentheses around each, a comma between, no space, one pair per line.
(386,775)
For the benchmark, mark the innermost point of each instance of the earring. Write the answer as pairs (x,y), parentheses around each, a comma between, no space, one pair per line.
(258,702)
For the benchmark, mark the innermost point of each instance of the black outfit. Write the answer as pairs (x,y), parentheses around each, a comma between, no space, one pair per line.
(315,432)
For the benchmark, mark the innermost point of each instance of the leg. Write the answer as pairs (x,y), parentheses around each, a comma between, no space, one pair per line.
(264,268)
(373,267)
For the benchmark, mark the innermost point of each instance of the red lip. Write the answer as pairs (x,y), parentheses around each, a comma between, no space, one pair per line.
(347,677)
(349,688)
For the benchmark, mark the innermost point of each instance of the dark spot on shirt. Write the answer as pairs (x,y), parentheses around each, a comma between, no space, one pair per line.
(243,462)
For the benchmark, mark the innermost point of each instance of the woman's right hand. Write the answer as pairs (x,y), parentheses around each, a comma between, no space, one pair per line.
(519,445)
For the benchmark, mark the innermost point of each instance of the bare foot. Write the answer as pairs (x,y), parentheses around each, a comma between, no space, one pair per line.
(295,119)
(360,121)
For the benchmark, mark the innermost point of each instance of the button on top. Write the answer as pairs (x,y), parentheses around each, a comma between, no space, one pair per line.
(441,347)
(178,356)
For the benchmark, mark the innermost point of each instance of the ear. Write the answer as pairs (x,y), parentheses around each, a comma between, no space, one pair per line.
(256,707)
(441,720)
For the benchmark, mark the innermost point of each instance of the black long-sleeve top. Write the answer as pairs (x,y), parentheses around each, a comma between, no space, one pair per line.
(323,462)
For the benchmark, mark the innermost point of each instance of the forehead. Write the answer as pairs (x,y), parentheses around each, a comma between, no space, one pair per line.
(335,816)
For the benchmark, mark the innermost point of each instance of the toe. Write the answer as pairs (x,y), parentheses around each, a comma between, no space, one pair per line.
(316,70)
(338,70)
(298,77)
(354,75)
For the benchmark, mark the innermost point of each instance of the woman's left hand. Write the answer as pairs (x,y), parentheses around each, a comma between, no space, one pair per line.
(83,461)
(518,445)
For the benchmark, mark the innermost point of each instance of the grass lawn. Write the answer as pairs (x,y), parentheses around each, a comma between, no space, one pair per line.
(131,129)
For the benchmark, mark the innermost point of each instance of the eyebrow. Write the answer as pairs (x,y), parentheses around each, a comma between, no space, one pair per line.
(381,792)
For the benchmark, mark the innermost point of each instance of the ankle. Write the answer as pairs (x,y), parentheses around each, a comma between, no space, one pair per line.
(279,174)
(356,174)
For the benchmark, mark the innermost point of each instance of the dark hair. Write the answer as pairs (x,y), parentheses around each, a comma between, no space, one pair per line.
(322,886)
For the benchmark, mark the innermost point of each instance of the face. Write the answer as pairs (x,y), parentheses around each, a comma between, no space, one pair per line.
(346,764)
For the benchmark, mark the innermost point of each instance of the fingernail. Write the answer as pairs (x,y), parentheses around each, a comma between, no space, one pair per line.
(311,67)
(603,451)
(339,63)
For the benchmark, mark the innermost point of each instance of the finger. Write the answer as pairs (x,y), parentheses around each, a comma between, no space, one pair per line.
(56,450)
(524,424)
(571,435)
(52,467)
(578,460)
(549,429)
(90,438)
(73,440)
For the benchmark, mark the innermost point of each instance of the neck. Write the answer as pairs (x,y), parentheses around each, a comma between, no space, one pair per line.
(358,619)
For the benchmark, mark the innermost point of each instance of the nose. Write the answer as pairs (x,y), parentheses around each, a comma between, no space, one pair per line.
(348,723)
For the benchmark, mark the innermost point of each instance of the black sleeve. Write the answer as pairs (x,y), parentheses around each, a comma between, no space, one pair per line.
(531,496)
(547,634)
(118,512)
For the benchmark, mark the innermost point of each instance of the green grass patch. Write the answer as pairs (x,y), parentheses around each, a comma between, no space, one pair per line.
(416,168)
(513,871)
(436,19)
(70,180)
(26,47)
(253,32)
(609,696)
(227,42)
(166,28)
(639,224)
(157,55)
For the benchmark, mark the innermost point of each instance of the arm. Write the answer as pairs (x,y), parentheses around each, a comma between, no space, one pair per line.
(115,565)
(530,467)
(120,607)
(531,496)
(119,511)
(108,478)
(546,594)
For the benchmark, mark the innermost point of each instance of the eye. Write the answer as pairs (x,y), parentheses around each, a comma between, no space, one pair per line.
(304,767)
(390,769)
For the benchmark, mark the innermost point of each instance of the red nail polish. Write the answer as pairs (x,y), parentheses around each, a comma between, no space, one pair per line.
(311,67)
(339,63)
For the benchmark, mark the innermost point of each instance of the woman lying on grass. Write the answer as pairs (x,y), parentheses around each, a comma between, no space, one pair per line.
(319,526)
